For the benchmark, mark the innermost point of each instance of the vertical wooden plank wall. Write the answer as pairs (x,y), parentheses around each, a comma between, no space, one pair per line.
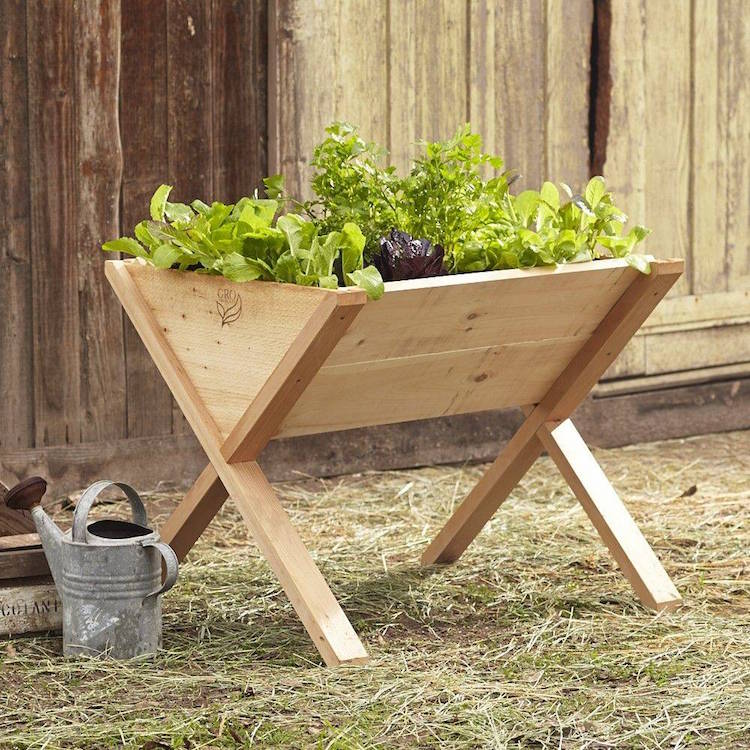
(16,351)
(677,156)
(327,61)
(96,36)
(102,100)
(518,71)
(53,225)
(143,133)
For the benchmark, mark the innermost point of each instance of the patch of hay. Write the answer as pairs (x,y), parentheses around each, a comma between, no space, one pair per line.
(533,639)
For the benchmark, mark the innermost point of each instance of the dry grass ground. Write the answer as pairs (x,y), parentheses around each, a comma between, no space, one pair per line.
(533,639)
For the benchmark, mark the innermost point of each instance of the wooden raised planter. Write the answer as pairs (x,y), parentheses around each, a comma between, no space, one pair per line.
(251,362)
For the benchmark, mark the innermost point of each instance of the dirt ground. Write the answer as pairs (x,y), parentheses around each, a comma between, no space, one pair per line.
(533,639)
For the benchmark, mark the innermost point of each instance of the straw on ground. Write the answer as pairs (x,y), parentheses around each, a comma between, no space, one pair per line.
(533,639)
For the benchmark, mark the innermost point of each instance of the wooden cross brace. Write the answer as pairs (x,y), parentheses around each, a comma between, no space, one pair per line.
(233,470)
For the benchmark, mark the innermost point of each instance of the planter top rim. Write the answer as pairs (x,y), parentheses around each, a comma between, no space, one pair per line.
(657,266)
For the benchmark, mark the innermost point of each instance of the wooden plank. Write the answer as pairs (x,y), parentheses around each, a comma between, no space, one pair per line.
(19,541)
(568,79)
(155,462)
(485,498)
(13,522)
(704,347)
(98,173)
(190,113)
(483,309)
(507,77)
(16,373)
(673,380)
(696,309)
(243,353)
(292,375)
(23,563)
(303,583)
(708,166)
(570,388)
(29,607)
(54,206)
(667,126)
(410,388)
(735,86)
(279,543)
(609,516)
(143,133)
(617,328)
(191,517)
(648,149)
(319,72)
(429,62)
(625,165)
(239,52)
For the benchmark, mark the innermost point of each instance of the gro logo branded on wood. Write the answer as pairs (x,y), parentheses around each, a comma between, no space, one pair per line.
(229,306)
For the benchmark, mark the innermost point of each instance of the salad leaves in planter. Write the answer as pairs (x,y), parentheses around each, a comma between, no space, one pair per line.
(458,197)
(241,242)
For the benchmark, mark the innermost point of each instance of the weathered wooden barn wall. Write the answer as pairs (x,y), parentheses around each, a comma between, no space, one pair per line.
(672,136)
(677,153)
(104,99)
(101,102)
(403,71)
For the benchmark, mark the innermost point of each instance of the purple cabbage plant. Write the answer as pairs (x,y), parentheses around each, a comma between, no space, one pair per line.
(402,257)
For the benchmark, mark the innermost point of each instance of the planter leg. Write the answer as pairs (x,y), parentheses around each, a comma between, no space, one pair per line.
(190,518)
(615,525)
(303,583)
(486,497)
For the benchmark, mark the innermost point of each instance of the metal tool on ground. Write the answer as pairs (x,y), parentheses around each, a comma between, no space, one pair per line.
(108,573)
(12,520)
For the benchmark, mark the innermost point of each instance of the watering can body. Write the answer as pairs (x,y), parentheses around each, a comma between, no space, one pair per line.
(108,574)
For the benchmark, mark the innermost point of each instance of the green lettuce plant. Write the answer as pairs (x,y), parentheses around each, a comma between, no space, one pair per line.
(245,241)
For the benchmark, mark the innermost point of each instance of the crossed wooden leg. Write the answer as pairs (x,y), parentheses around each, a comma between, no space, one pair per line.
(615,525)
(279,543)
(191,517)
(233,471)
(540,430)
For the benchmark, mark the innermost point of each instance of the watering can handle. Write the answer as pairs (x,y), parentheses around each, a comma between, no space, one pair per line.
(170,561)
(87,500)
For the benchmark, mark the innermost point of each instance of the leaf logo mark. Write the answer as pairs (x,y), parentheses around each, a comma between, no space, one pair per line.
(229,306)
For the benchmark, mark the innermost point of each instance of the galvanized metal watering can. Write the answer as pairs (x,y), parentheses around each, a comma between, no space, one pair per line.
(108,574)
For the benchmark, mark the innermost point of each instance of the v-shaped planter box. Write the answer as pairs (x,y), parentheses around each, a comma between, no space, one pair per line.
(254,361)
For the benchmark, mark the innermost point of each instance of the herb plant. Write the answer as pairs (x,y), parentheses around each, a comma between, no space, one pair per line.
(447,199)
(242,242)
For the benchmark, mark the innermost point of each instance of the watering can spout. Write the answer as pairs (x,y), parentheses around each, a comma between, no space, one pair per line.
(27,495)
(52,540)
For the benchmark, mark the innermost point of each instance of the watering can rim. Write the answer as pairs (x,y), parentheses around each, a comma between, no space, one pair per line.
(79,532)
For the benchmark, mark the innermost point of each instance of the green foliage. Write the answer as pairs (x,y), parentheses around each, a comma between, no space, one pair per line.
(447,199)
(536,228)
(241,241)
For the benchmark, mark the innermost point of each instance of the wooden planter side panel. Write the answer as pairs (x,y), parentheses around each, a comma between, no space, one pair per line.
(228,337)
(458,346)
(428,348)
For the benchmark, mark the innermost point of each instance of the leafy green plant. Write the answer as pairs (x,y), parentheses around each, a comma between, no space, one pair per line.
(447,200)
(242,242)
